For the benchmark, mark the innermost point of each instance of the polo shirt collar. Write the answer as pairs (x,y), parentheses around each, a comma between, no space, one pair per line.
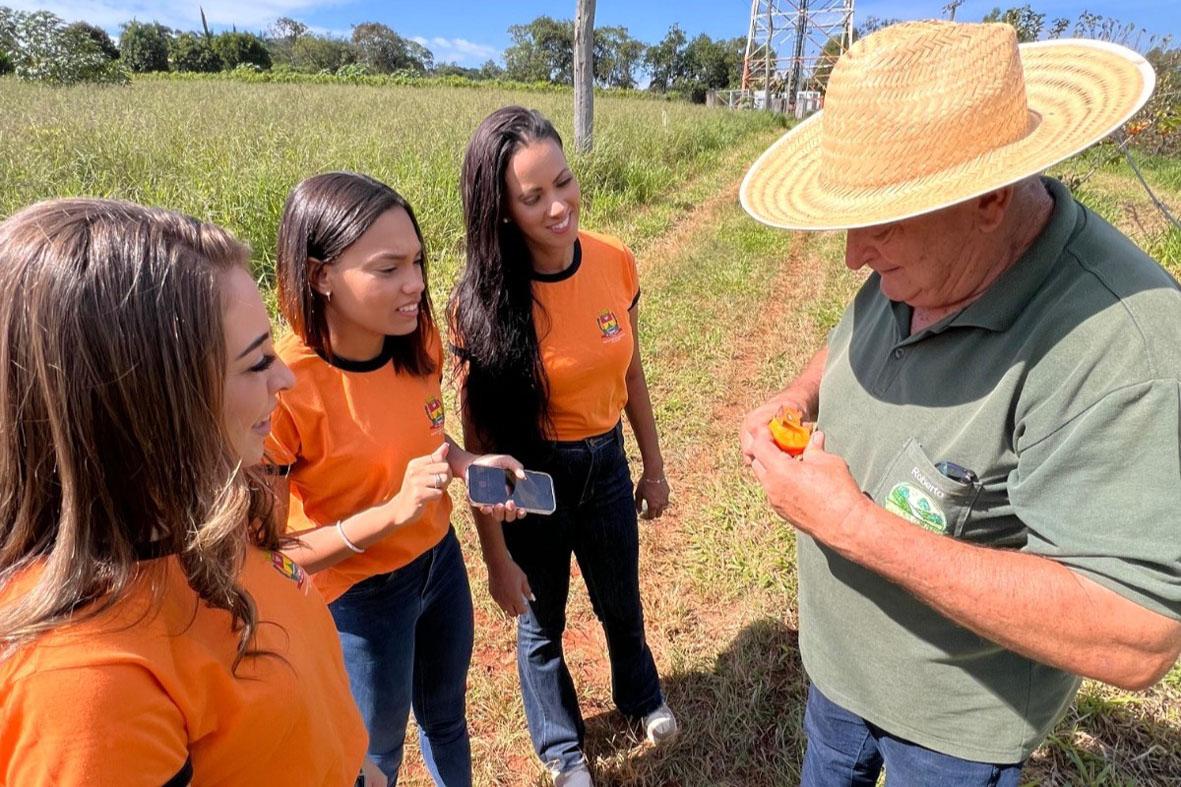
(1008,296)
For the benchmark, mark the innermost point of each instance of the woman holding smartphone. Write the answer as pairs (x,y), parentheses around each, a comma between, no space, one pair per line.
(360,451)
(151,632)
(545,318)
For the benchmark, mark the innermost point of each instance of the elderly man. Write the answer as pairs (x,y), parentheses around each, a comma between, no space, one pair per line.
(990,505)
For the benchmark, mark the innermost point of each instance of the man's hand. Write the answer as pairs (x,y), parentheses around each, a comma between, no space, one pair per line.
(755,422)
(816,492)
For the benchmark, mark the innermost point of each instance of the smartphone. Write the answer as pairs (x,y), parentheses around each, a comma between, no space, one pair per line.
(488,486)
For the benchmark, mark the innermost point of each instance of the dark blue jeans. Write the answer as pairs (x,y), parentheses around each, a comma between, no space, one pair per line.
(596,522)
(845,750)
(407,639)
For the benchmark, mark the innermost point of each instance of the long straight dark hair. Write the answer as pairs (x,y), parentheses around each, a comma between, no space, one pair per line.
(323,216)
(493,333)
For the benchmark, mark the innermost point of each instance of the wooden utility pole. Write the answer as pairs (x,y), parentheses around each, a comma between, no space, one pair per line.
(584,76)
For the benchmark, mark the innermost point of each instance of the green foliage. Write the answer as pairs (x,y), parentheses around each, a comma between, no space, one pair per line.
(666,60)
(1027,22)
(40,47)
(190,52)
(236,49)
(690,68)
(542,51)
(97,35)
(617,57)
(383,51)
(143,46)
(5,64)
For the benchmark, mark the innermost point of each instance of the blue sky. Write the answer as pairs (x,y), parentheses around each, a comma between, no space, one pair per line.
(471,31)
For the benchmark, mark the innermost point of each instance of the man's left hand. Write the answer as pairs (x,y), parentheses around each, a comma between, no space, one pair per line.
(816,492)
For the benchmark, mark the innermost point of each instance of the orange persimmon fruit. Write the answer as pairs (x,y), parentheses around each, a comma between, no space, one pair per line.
(789,431)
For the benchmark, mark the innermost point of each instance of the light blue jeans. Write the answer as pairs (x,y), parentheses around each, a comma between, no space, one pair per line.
(407,639)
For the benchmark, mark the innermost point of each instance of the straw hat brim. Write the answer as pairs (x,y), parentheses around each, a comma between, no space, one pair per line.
(1080,91)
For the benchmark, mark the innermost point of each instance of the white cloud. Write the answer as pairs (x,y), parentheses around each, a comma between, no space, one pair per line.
(256,15)
(458,50)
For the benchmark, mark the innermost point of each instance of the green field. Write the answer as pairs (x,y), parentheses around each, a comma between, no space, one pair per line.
(229,151)
(731,309)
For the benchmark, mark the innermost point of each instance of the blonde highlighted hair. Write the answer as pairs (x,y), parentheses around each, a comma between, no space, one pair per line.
(112,444)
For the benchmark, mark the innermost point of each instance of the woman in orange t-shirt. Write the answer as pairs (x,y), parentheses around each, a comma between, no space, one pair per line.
(545,318)
(366,462)
(150,630)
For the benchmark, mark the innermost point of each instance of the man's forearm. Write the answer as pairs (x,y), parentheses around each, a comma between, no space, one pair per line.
(1026,603)
(804,390)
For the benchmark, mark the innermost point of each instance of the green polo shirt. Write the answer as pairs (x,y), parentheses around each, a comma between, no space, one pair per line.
(1060,389)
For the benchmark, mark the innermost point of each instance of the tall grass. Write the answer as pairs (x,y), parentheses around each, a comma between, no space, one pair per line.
(230,151)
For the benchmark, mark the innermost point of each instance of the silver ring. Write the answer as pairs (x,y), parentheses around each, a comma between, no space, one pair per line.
(439,480)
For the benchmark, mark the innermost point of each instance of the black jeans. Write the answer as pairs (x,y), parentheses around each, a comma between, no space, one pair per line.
(596,522)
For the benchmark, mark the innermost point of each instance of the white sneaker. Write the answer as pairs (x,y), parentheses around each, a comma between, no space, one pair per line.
(579,776)
(661,725)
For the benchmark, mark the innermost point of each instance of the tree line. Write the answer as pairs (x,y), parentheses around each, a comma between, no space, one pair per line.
(40,45)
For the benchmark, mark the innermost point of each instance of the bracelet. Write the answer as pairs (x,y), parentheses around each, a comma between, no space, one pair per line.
(347,541)
(661,480)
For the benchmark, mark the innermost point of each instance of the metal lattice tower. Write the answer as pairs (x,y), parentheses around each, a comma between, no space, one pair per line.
(786,44)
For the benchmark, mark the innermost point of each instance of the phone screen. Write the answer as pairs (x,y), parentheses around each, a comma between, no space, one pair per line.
(491,485)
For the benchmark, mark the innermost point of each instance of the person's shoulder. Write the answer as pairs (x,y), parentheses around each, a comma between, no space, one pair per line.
(1144,300)
(295,352)
(600,243)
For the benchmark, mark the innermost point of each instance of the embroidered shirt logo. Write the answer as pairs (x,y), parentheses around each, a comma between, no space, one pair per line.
(913,504)
(608,324)
(289,568)
(435,412)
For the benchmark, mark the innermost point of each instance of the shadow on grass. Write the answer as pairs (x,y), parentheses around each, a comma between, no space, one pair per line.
(1113,738)
(741,722)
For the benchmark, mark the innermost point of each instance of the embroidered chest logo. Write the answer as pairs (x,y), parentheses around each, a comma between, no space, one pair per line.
(608,325)
(913,504)
(290,569)
(435,412)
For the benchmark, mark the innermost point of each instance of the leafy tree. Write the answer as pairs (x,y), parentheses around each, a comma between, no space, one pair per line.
(491,70)
(666,60)
(383,51)
(542,51)
(322,53)
(143,47)
(39,47)
(1024,19)
(97,35)
(618,57)
(190,52)
(5,63)
(236,48)
(710,65)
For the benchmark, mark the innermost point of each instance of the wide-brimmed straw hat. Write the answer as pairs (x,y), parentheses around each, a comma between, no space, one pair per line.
(922,115)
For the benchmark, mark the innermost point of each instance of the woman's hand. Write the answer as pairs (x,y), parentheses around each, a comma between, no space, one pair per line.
(508,586)
(508,512)
(652,494)
(426,480)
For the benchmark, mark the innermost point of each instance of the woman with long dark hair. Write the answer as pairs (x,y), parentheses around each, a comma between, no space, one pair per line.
(151,632)
(362,455)
(545,318)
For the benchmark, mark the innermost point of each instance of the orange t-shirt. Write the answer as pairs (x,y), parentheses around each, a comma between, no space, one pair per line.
(585,336)
(129,696)
(347,433)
